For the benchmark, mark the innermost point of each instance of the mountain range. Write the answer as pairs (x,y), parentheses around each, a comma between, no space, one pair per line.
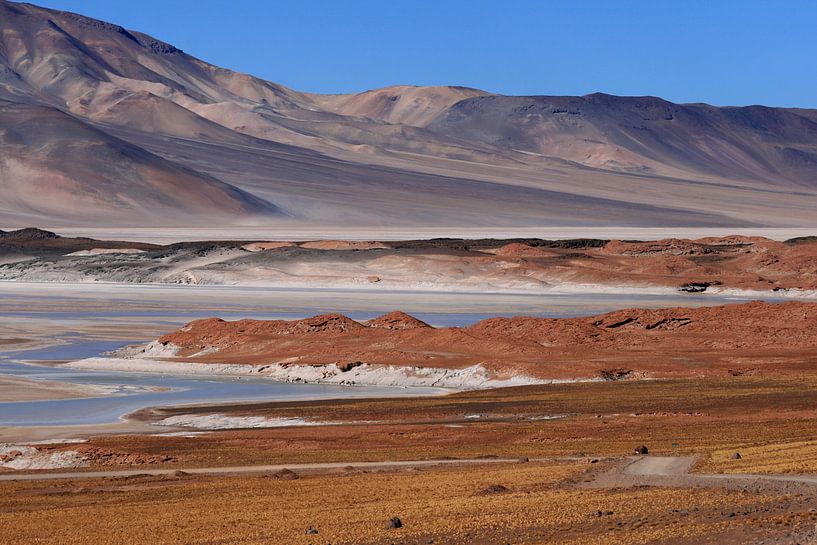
(100,125)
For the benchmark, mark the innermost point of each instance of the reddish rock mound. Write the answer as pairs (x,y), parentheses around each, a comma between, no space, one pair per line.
(325,323)
(344,245)
(754,263)
(669,246)
(215,333)
(646,342)
(516,250)
(397,320)
(262,246)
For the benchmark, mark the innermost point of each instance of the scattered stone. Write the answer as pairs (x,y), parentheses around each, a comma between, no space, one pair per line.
(395,523)
(136,476)
(495,489)
(311,531)
(642,450)
(102,457)
(742,372)
(615,374)
(697,287)
(736,456)
(348,365)
(286,475)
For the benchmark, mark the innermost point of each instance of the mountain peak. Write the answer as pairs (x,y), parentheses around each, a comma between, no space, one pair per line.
(103,124)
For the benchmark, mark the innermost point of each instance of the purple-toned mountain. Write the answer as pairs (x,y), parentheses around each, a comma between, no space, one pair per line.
(100,125)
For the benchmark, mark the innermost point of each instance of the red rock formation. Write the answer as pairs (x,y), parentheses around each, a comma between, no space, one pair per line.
(397,320)
(659,342)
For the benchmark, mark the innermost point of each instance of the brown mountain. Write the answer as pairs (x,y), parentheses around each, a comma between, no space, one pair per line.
(100,125)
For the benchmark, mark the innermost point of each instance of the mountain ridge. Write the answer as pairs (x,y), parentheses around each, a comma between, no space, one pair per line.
(370,158)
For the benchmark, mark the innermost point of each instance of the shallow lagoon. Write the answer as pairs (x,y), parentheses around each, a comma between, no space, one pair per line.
(73,312)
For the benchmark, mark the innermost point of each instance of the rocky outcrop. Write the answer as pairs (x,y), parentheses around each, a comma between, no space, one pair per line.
(711,265)
(650,342)
(397,320)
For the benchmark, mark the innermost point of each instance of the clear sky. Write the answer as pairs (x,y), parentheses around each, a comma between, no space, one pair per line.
(721,52)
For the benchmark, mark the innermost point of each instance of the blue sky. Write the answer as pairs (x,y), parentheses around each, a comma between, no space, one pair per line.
(720,52)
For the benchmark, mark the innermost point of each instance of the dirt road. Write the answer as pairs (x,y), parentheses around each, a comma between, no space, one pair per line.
(245,470)
(674,471)
(670,471)
(660,465)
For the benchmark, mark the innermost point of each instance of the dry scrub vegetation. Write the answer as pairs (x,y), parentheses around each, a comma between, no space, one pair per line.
(596,419)
(538,505)
(771,421)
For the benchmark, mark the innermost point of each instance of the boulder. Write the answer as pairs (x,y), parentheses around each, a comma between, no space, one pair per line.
(495,489)
(285,475)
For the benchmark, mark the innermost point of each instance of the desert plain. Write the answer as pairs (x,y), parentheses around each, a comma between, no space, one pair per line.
(567,391)
(238,312)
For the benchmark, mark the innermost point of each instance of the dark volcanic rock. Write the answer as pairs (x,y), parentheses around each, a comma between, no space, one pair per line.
(494,489)
(29,233)
(286,475)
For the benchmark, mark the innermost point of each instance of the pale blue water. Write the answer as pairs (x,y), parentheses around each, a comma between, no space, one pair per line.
(436,309)
(181,390)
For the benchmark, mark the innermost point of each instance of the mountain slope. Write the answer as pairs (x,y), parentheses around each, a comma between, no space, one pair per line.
(645,133)
(52,165)
(404,104)
(120,128)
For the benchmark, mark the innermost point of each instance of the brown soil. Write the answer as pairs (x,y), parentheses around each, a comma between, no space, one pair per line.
(730,339)
(596,419)
(753,263)
(261,246)
(736,262)
(541,505)
(526,503)
(32,238)
(517,250)
(343,245)
(101,457)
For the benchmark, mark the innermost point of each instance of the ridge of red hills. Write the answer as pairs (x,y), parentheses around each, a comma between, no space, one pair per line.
(642,342)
